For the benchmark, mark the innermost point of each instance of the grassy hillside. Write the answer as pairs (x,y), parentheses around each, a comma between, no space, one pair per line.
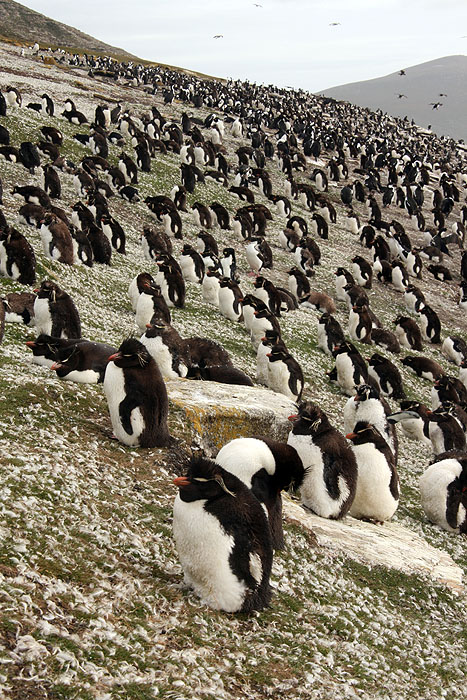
(92,603)
(21,24)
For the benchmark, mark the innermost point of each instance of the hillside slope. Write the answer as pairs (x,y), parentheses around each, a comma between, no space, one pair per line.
(92,599)
(439,81)
(19,23)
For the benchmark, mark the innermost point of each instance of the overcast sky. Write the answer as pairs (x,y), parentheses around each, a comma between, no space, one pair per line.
(283,42)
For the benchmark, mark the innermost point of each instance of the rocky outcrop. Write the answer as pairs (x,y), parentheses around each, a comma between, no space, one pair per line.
(390,545)
(216,413)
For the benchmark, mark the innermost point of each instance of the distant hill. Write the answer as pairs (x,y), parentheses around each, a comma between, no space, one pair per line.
(442,80)
(19,23)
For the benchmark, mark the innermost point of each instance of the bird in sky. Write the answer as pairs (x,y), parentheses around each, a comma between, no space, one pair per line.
(334,24)
(442,94)
(218,36)
(402,72)
(400,96)
(435,105)
(257,4)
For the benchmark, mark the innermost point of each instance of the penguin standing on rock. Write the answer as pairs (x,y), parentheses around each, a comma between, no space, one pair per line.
(267,467)
(443,491)
(377,494)
(328,488)
(222,537)
(137,397)
(55,312)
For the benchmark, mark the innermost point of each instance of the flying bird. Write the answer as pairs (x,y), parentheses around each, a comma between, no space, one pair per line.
(436,104)
(334,24)
(257,4)
(218,36)
(400,96)
(442,94)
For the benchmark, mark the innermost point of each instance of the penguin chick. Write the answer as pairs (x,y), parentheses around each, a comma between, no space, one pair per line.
(330,480)
(222,538)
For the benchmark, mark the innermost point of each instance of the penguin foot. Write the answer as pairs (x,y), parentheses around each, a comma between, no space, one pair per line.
(373,521)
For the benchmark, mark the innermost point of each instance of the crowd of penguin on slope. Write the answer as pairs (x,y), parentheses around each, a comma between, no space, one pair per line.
(227,515)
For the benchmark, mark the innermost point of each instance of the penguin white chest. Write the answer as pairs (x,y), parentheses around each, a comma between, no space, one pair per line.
(373,498)
(226,304)
(345,373)
(313,491)
(204,549)
(144,311)
(42,317)
(115,392)
(161,354)
(210,290)
(434,484)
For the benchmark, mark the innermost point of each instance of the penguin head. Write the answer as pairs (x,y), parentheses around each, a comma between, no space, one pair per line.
(364,392)
(376,359)
(157,327)
(310,420)
(131,353)
(205,480)
(49,290)
(365,432)
(67,358)
(143,280)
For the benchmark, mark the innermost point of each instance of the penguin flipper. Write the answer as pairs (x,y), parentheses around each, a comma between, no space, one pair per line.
(453,500)
(126,407)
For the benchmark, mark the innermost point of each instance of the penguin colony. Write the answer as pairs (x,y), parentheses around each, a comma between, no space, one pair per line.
(230,134)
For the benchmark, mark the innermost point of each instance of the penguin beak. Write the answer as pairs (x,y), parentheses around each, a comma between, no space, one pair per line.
(148,325)
(115,356)
(293,417)
(56,365)
(351,436)
(182,481)
(30,343)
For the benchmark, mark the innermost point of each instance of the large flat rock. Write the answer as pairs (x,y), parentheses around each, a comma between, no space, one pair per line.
(389,545)
(217,413)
